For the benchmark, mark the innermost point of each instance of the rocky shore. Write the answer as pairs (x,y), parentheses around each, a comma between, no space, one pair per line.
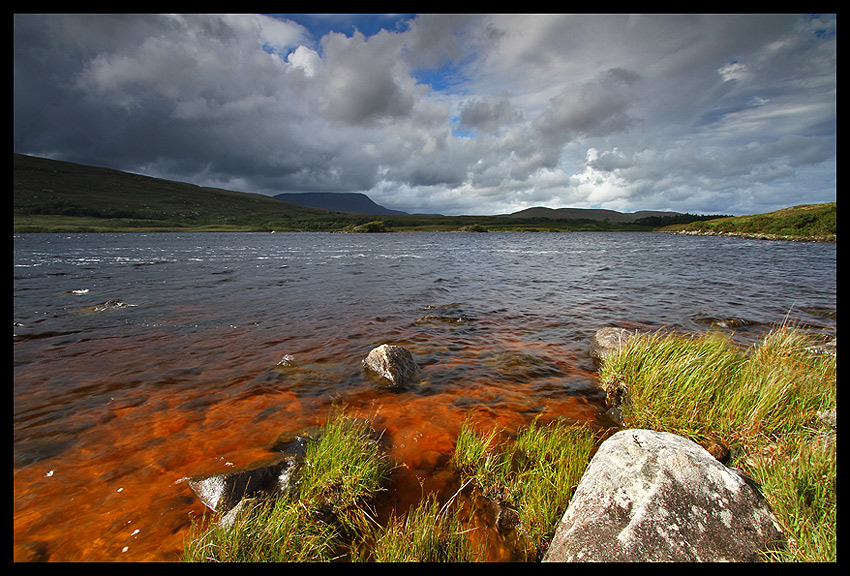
(645,495)
(757,235)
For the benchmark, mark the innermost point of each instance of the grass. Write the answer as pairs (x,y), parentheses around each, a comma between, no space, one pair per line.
(280,530)
(532,478)
(806,221)
(337,481)
(428,533)
(762,402)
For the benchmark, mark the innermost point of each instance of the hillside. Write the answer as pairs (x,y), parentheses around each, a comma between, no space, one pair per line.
(51,195)
(340,202)
(589,214)
(804,222)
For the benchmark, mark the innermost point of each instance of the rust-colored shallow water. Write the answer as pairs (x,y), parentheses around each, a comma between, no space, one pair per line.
(114,406)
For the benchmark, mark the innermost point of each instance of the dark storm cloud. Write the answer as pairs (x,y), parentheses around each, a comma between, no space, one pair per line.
(451,113)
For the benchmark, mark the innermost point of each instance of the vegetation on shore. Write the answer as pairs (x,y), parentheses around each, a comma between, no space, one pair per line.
(764,403)
(804,222)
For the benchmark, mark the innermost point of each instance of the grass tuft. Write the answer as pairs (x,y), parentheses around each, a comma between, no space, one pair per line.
(428,533)
(337,481)
(531,478)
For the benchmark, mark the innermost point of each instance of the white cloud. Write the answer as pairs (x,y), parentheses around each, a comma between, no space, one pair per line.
(690,112)
(306,60)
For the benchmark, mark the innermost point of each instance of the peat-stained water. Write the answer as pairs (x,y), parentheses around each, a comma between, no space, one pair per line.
(141,360)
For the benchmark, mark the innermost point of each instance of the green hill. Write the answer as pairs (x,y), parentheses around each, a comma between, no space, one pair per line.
(803,222)
(51,195)
(590,214)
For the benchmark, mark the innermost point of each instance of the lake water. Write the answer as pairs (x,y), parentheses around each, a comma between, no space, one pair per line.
(115,405)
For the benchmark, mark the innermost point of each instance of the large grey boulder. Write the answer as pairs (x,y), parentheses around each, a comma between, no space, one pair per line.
(393,364)
(655,496)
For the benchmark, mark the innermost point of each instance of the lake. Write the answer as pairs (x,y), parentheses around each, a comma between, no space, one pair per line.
(144,359)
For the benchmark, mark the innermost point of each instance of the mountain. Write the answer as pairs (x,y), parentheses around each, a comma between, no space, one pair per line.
(340,202)
(588,214)
(56,195)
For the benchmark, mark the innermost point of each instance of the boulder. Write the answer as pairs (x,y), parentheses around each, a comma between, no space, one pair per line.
(394,364)
(608,340)
(222,492)
(656,496)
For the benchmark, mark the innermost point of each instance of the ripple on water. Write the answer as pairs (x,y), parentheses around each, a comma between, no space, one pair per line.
(112,409)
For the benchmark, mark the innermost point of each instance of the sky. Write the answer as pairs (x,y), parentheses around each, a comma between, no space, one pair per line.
(445,113)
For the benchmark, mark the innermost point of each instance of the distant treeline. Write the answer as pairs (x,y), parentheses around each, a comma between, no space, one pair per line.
(658,221)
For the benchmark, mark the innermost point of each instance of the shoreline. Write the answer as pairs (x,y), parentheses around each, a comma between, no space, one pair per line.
(744,235)
(755,235)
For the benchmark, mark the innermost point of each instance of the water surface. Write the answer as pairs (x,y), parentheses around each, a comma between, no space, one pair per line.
(143,359)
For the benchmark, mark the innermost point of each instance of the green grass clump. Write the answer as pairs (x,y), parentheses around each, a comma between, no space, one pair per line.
(342,470)
(337,480)
(672,382)
(799,477)
(762,402)
(428,533)
(704,385)
(532,477)
(278,530)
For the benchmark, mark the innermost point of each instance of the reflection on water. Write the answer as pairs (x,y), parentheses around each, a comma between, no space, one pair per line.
(144,359)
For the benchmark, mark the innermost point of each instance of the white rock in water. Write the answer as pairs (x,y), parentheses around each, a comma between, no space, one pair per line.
(394,363)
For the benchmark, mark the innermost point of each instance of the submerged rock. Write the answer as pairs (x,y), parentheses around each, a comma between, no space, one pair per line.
(394,364)
(520,365)
(656,496)
(437,319)
(222,492)
(225,492)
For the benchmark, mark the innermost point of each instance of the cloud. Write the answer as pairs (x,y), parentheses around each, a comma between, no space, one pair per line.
(474,114)
(488,114)
(362,82)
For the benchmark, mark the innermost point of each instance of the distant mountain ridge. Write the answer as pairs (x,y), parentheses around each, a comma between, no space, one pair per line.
(339,202)
(588,213)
